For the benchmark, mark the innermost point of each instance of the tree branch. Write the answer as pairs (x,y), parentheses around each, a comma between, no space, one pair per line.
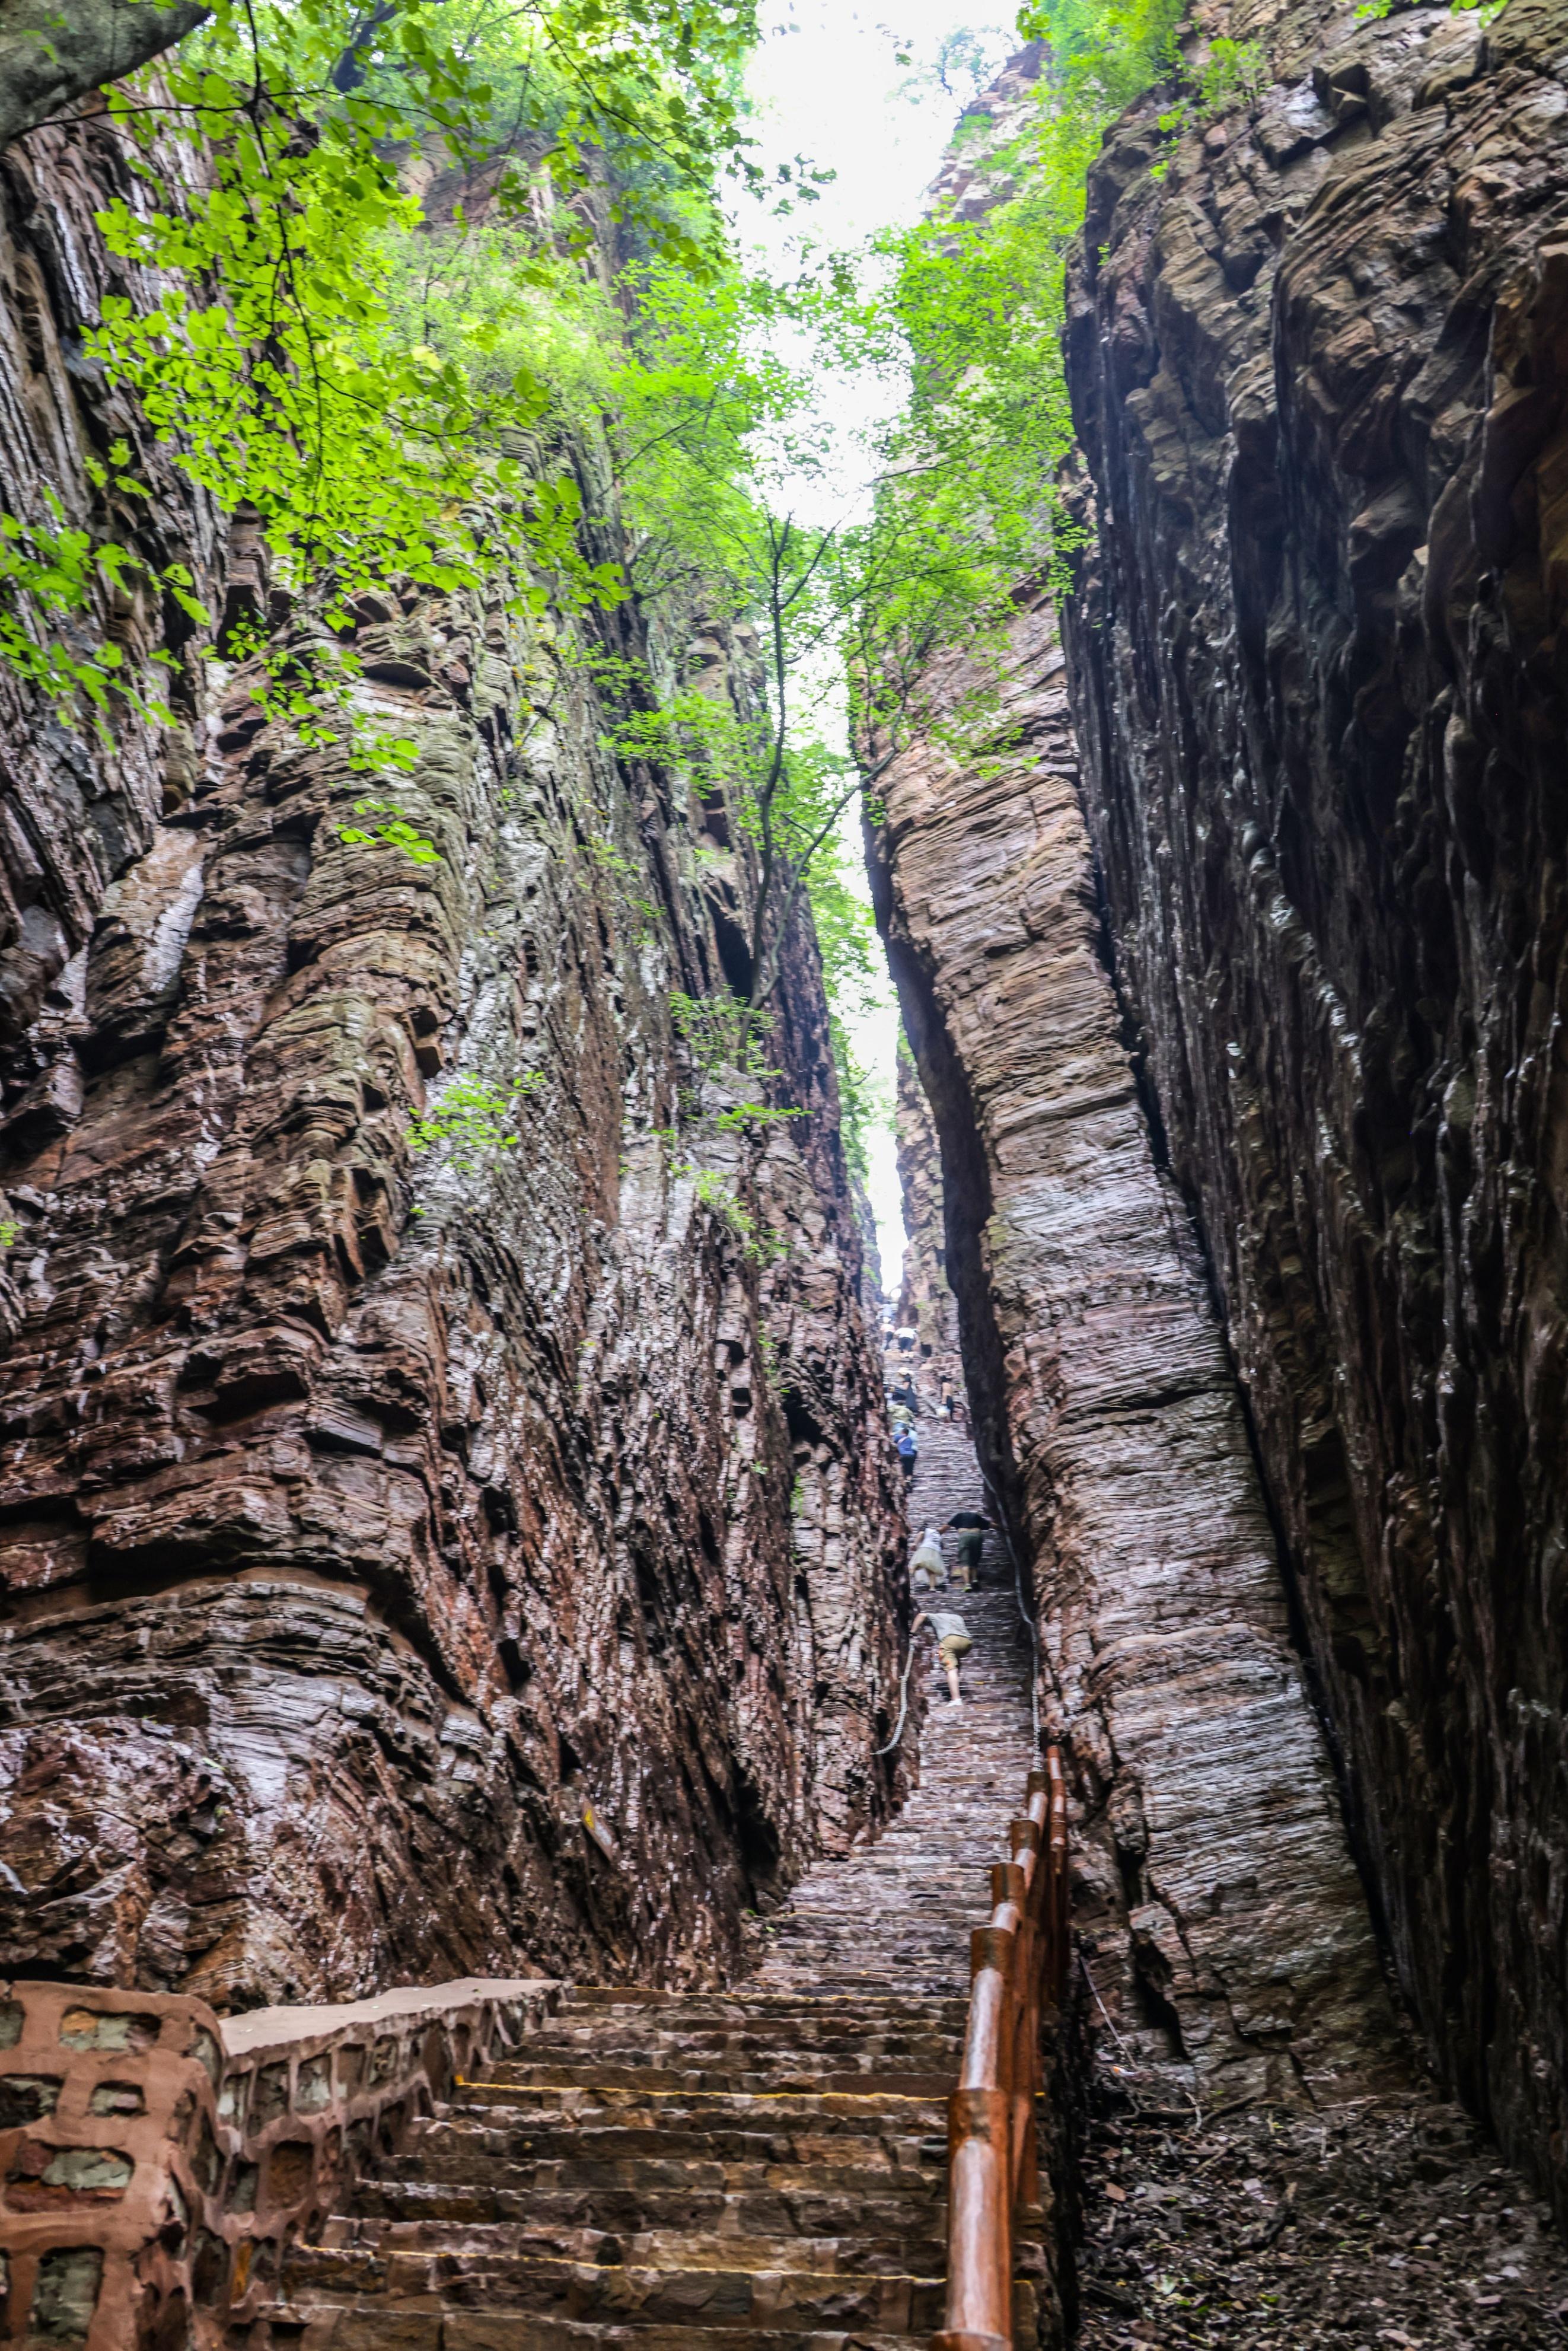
(350,68)
(52,52)
(778,547)
(759,995)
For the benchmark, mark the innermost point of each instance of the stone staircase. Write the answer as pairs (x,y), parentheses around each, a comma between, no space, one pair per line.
(768,2164)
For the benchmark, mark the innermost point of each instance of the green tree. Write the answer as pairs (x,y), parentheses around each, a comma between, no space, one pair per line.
(971,504)
(726,459)
(277,367)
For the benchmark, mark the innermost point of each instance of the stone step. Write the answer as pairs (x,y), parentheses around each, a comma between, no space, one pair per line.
(901,2005)
(369,2327)
(637,2207)
(484,2161)
(654,2156)
(873,2080)
(747,2061)
(494,2247)
(720,2044)
(821,2112)
(833,1967)
(435,2325)
(608,2033)
(714,2294)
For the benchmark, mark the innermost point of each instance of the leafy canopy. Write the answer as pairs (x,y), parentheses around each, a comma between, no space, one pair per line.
(970,504)
(302,166)
(278,363)
(450,302)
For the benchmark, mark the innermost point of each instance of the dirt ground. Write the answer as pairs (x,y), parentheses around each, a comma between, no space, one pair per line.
(1383,2220)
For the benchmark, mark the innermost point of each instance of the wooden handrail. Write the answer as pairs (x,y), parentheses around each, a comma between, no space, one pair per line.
(1018,1965)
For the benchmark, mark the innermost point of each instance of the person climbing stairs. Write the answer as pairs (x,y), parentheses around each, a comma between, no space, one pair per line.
(766,2163)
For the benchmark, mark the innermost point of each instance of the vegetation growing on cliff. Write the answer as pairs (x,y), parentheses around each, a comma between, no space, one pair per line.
(448,301)
(972,463)
(448,298)
(288,156)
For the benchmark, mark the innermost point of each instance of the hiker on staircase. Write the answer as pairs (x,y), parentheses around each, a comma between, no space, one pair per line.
(928,1564)
(953,1645)
(970,1527)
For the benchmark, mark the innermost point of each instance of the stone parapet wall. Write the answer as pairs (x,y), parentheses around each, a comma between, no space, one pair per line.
(154,2161)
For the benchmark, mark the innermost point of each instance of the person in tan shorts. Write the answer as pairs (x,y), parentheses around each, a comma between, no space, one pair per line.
(952,1644)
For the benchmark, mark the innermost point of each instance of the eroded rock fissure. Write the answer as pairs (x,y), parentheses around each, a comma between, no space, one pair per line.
(1264,2154)
(412,1566)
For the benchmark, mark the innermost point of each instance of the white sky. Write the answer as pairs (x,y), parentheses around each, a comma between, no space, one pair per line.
(826,80)
(827,84)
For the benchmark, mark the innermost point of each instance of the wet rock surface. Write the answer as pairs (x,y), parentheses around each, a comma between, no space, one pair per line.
(1261,2156)
(413,1562)
(1317,374)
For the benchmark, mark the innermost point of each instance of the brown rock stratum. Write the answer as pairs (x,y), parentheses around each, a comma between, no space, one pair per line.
(1211,1862)
(925,1302)
(75,806)
(1318,670)
(1264,2160)
(368,1517)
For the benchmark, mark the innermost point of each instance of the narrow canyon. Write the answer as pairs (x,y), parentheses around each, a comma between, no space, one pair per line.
(488,1848)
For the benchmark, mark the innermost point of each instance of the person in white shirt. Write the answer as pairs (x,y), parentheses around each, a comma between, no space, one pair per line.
(952,1643)
(927,1564)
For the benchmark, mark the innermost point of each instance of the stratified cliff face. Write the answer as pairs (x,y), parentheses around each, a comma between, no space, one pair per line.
(1211,1875)
(74,808)
(1319,373)
(926,1299)
(414,1562)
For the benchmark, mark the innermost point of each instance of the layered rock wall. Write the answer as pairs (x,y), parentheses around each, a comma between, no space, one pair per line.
(926,1299)
(1227,1933)
(1319,370)
(77,803)
(415,1561)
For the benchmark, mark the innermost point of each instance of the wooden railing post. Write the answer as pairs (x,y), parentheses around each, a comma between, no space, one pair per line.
(1009,1889)
(1018,1963)
(980,2131)
(1026,2077)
